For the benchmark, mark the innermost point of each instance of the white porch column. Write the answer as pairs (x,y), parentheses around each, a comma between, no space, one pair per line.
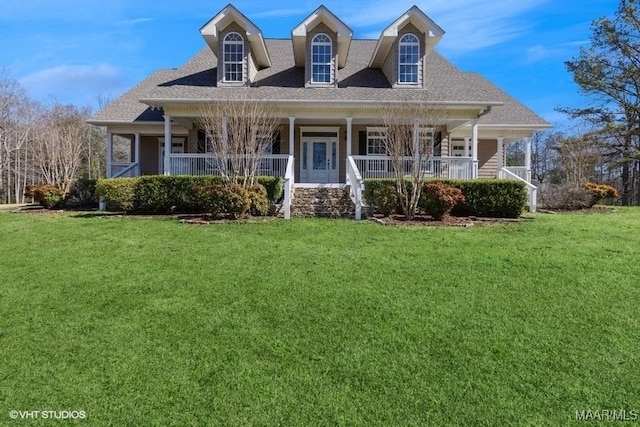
(292,135)
(500,155)
(109,153)
(168,143)
(527,157)
(349,120)
(474,149)
(466,146)
(137,150)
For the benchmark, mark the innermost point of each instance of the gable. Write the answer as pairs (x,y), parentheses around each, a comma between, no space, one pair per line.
(431,34)
(228,16)
(322,15)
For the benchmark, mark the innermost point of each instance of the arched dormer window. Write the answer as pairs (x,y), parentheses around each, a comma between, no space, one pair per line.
(408,59)
(321,55)
(233,58)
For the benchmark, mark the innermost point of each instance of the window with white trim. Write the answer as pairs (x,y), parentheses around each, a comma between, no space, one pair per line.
(457,148)
(376,141)
(233,58)
(321,55)
(408,59)
(426,140)
(376,147)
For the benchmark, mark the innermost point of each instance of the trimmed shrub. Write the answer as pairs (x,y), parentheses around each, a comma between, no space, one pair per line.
(437,199)
(259,201)
(164,193)
(377,194)
(487,197)
(236,200)
(230,199)
(83,192)
(49,196)
(273,185)
(119,193)
(498,198)
(385,199)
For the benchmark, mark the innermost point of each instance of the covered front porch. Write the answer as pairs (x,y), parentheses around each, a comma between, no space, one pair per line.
(312,151)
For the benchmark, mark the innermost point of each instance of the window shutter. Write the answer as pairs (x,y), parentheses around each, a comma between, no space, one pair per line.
(201,141)
(437,144)
(362,142)
(275,145)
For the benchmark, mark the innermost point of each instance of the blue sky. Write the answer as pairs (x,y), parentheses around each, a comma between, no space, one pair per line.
(74,51)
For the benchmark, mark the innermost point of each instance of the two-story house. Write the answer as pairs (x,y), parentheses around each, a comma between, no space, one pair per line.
(327,89)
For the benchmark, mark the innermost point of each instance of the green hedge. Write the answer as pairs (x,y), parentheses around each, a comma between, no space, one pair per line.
(500,198)
(164,193)
(484,197)
(119,193)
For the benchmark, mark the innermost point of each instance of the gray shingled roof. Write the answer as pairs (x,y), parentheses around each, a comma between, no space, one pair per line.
(196,80)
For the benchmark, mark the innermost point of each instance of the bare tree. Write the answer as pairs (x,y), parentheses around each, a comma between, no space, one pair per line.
(544,153)
(18,118)
(240,134)
(411,131)
(59,148)
(579,156)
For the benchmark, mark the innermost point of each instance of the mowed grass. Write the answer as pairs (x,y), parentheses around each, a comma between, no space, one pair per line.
(319,322)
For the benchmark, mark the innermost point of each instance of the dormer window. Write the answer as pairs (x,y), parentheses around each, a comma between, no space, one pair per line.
(233,58)
(321,56)
(408,59)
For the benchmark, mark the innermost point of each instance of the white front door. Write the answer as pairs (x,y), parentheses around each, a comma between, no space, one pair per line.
(319,160)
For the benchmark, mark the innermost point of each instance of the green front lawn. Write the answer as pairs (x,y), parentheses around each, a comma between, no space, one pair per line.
(319,322)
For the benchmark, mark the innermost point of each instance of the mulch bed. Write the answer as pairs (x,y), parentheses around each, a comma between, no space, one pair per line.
(448,221)
(207,219)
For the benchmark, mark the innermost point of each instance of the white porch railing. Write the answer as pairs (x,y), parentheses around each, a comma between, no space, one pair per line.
(532,190)
(433,167)
(289,181)
(355,183)
(207,164)
(520,171)
(124,170)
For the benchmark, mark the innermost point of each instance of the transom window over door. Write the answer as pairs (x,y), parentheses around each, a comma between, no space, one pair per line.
(233,58)
(408,59)
(321,54)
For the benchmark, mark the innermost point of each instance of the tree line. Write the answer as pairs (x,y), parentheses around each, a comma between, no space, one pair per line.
(44,143)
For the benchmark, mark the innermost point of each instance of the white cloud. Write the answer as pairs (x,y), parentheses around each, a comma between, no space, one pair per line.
(279,13)
(470,24)
(74,83)
(134,21)
(539,52)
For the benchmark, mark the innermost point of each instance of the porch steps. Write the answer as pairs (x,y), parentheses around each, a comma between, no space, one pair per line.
(322,202)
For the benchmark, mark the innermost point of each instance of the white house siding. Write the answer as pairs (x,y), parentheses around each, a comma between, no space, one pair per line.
(389,67)
(253,70)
